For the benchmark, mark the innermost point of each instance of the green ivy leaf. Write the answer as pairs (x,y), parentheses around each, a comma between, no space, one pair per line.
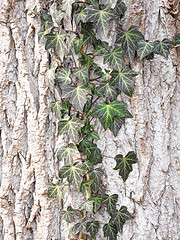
(110,231)
(70,128)
(50,76)
(82,74)
(56,108)
(88,34)
(96,174)
(92,228)
(74,174)
(80,16)
(86,188)
(69,215)
(77,95)
(43,32)
(56,191)
(65,108)
(144,49)
(96,187)
(87,166)
(162,48)
(177,40)
(86,60)
(124,164)
(129,40)
(58,16)
(100,17)
(107,112)
(87,206)
(115,58)
(67,6)
(116,126)
(80,227)
(123,80)
(120,8)
(67,153)
(120,217)
(93,2)
(78,43)
(57,42)
(110,202)
(107,90)
(63,76)
(97,203)
(91,150)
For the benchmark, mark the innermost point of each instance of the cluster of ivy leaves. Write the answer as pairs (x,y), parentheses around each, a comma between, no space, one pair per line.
(89,91)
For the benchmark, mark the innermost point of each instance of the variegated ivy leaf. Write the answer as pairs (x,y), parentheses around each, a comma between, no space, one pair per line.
(56,191)
(87,206)
(67,6)
(124,80)
(58,16)
(115,58)
(50,76)
(107,112)
(77,95)
(56,107)
(82,74)
(129,40)
(162,48)
(92,228)
(67,153)
(177,40)
(80,16)
(63,76)
(42,33)
(100,17)
(86,188)
(110,230)
(107,90)
(120,217)
(81,227)
(124,164)
(69,215)
(120,8)
(144,49)
(74,174)
(96,174)
(110,202)
(57,42)
(70,128)
(78,43)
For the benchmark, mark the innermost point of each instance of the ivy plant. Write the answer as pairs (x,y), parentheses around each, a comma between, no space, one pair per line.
(74,37)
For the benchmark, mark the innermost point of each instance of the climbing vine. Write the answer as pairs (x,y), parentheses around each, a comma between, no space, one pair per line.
(75,35)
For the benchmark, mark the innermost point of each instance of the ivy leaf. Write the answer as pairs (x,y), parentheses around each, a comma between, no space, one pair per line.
(86,60)
(63,76)
(46,20)
(162,48)
(110,231)
(120,217)
(107,112)
(96,174)
(88,34)
(65,108)
(77,95)
(86,188)
(42,33)
(124,164)
(116,126)
(87,206)
(106,2)
(67,6)
(177,40)
(58,16)
(56,191)
(74,174)
(78,43)
(110,202)
(100,17)
(129,40)
(87,166)
(82,74)
(120,8)
(56,108)
(69,215)
(97,203)
(107,90)
(70,128)
(144,49)
(80,227)
(96,187)
(91,150)
(80,16)
(67,153)
(123,80)
(92,228)
(115,58)
(56,41)
(93,2)
(50,76)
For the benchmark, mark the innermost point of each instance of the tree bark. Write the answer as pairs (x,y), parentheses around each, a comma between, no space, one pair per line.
(28,131)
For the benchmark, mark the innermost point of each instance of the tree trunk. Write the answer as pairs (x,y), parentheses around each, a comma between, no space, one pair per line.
(28,131)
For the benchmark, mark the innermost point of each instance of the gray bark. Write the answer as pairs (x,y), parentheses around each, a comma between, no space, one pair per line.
(28,131)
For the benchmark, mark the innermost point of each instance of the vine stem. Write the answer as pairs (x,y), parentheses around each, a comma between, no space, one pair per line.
(176,46)
(106,156)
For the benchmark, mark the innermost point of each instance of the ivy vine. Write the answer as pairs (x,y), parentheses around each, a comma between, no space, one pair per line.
(73,35)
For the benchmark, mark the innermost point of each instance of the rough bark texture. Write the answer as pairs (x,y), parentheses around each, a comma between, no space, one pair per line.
(28,131)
